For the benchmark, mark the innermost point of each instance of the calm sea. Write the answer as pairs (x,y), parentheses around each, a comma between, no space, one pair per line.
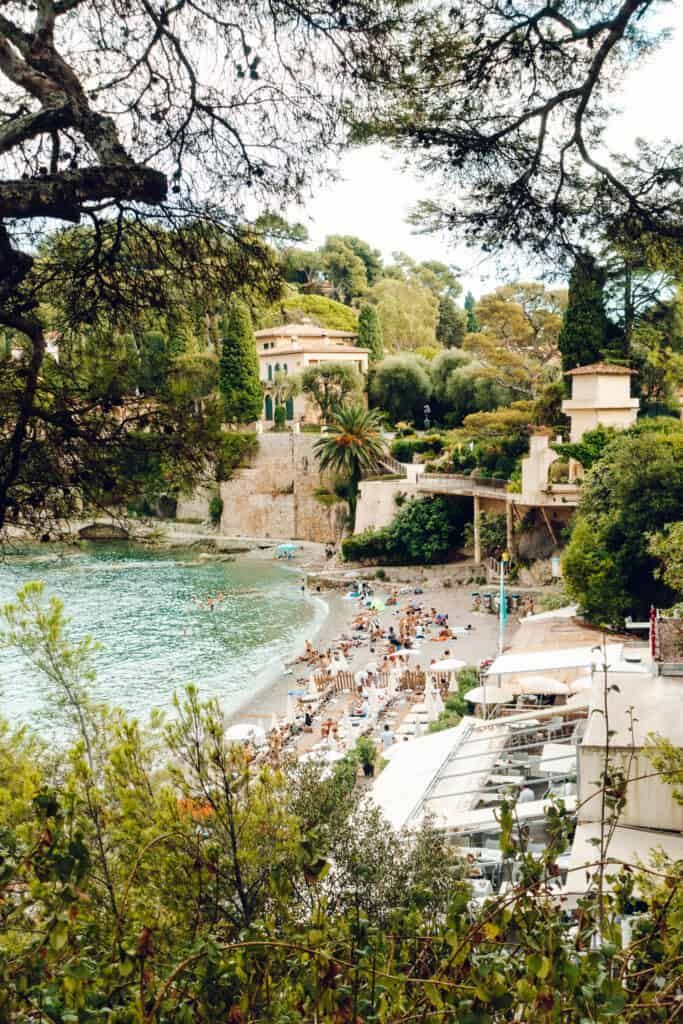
(150,612)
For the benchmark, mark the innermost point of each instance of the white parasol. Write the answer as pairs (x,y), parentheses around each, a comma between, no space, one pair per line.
(245,732)
(541,685)
(489,695)
(447,665)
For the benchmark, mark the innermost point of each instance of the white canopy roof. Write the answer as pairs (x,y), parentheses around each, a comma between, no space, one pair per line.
(413,766)
(548,661)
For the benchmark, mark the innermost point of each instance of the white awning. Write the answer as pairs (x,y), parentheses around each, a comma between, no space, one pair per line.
(484,818)
(548,661)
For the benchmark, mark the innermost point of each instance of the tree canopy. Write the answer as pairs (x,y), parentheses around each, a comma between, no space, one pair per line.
(239,382)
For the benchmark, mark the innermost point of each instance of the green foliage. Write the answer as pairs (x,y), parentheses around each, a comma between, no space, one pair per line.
(401,385)
(492,534)
(329,385)
(451,326)
(215,509)
(584,327)
(472,323)
(239,381)
(634,490)
(423,531)
(667,547)
(370,333)
(352,446)
(408,313)
(590,449)
(295,306)
(155,362)
(403,448)
(279,418)
(152,874)
(344,268)
(235,450)
(455,704)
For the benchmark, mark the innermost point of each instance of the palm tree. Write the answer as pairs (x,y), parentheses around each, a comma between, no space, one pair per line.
(353,445)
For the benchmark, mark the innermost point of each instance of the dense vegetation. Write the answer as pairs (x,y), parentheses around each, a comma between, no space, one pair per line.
(423,531)
(148,874)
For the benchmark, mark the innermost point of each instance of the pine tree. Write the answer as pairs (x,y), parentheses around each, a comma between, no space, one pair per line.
(452,323)
(239,367)
(370,333)
(583,336)
(472,325)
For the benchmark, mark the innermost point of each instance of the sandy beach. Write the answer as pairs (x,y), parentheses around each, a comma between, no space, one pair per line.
(478,643)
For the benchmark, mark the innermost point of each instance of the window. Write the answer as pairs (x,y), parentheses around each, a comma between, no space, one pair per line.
(270,371)
(284,368)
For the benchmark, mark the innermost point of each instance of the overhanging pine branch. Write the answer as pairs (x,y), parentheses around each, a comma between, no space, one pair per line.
(62,195)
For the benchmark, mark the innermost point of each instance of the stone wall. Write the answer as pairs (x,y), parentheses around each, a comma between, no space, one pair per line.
(196,505)
(274,496)
(376,502)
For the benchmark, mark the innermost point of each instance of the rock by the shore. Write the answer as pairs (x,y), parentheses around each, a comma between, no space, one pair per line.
(103,531)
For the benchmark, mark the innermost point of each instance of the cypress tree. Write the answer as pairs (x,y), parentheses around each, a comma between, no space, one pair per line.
(239,382)
(472,325)
(154,363)
(583,338)
(452,323)
(370,333)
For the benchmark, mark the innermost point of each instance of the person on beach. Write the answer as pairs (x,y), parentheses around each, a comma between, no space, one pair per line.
(387,737)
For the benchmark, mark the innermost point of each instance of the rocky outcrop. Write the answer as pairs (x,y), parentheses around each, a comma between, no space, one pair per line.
(103,531)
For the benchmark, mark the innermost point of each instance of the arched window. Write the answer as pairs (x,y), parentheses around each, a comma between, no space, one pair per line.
(269,407)
(289,409)
(284,369)
(277,367)
(270,371)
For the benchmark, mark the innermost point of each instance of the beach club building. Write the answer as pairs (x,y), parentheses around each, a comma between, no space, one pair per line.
(291,348)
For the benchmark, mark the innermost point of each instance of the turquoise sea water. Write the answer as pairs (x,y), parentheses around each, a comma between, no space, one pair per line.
(149,612)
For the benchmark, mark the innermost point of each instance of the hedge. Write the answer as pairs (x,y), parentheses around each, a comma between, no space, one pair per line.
(403,448)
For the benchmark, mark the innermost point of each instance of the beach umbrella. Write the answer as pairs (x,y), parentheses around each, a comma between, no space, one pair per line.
(493,695)
(245,732)
(541,685)
(290,711)
(447,665)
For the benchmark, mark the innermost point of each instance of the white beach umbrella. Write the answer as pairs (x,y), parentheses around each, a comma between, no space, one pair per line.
(542,685)
(489,695)
(245,732)
(290,711)
(447,665)
(580,684)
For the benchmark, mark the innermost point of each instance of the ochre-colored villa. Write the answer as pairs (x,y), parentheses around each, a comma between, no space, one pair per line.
(291,348)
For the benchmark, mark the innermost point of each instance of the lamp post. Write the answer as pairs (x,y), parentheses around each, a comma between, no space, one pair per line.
(503,610)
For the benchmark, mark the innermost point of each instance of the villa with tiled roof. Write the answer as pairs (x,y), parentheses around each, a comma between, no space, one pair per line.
(291,348)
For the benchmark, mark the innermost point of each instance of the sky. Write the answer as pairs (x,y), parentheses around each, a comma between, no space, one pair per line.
(375,192)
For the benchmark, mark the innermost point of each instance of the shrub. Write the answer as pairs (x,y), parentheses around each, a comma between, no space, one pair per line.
(492,534)
(236,450)
(215,509)
(380,574)
(404,448)
(423,531)
(279,418)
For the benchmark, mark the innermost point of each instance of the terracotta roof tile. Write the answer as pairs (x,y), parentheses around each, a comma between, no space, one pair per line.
(605,368)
